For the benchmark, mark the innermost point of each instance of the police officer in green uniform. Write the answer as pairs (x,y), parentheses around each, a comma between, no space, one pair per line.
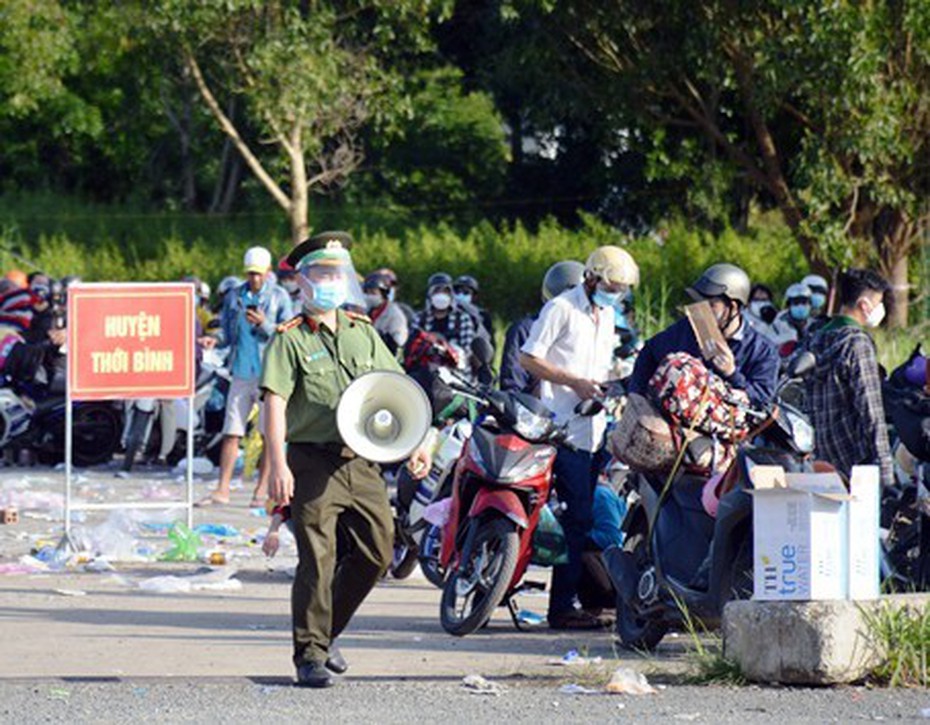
(312,359)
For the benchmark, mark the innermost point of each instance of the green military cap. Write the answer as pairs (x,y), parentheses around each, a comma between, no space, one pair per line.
(322,248)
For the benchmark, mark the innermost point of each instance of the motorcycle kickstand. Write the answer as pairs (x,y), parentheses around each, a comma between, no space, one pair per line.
(515,614)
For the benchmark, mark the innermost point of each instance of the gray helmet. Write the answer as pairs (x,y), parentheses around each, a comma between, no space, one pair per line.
(722,280)
(560,277)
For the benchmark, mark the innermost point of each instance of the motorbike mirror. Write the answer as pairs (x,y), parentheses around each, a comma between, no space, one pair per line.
(482,351)
(802,364)
(589,407)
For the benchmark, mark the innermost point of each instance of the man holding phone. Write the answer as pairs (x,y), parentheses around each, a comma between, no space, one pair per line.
(250,314)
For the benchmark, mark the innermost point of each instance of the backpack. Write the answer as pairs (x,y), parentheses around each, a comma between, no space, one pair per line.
(694,398)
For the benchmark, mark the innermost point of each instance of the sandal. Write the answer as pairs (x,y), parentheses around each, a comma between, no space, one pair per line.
(257,503)
(211,500)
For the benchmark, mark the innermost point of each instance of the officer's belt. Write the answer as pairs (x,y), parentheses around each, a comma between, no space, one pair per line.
(340,450)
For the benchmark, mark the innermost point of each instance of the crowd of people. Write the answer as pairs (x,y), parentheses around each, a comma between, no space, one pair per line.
(299,331)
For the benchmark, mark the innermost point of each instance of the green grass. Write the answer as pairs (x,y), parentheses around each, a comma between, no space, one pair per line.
(902,634)
(707,664)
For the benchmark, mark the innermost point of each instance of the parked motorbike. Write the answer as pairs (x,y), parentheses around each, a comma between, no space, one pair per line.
(415,538)
(38,426)
(501,483)
(148,420)
(672,543)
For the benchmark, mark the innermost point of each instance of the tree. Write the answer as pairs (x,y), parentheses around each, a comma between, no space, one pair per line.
(821,107)
(309,74)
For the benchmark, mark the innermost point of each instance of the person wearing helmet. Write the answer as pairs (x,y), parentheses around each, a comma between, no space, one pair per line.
(389,321)
(393,295)
(251,313)
(287,279)
(18,278)
(443,316)
(792,324)
(747,362)
(627,342)
(333,493)
(820,292)
(569,350)
(226,284)
(558,278)
(465,289)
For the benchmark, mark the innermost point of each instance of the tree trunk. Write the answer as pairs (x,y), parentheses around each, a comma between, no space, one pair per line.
(233,179)
(299,191)
(189,181)
(899,289)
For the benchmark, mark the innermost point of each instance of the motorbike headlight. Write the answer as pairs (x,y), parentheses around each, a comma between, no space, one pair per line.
(530,425)
(801,431)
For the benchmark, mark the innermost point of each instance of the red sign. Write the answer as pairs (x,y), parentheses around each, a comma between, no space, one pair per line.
(130,341)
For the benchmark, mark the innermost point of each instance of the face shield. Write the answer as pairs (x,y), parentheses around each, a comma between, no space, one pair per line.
(329,281)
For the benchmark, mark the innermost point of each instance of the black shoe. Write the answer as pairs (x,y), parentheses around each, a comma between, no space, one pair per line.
(336,662)
(314,674)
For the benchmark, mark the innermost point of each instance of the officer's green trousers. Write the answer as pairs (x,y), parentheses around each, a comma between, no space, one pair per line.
(332,490)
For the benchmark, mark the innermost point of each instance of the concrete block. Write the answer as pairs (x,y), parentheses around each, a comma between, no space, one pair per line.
(806,643)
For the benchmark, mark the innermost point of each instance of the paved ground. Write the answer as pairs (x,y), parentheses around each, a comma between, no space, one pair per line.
(96,647)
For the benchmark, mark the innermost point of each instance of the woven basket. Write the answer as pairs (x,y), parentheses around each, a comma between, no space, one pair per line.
(643,439)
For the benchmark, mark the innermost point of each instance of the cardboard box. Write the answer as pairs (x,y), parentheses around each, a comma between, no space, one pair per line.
(813,539)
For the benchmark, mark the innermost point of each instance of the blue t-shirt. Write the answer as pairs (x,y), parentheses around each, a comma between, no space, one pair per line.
(247,363)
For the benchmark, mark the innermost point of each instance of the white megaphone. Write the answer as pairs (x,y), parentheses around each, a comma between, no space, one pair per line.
(383,416)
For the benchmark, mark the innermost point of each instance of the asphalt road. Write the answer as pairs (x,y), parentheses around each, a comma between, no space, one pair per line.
(86,646)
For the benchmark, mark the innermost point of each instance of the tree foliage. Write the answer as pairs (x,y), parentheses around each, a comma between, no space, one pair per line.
(821,107)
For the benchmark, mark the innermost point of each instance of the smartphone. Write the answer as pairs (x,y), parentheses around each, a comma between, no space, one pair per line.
(251,307)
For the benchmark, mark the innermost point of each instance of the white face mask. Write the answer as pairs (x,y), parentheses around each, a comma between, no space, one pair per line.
(441,301)
(875,317)
(373,300)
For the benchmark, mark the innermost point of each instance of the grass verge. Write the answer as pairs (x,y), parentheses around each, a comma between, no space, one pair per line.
(902,634)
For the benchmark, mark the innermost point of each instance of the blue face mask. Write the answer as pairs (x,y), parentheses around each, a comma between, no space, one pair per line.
(799,312)
(818,300)
(328,295)
(604,299)
(463,298)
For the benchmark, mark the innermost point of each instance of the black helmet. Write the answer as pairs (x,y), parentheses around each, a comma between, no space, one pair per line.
(560,277)
(468,282)
(439,279)
(377,281)
(722,280)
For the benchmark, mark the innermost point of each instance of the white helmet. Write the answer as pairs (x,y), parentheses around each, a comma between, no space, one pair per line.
(613,265)
(816,283)
(798,291)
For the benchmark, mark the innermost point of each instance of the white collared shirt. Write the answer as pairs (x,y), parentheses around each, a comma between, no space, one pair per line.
(572,335)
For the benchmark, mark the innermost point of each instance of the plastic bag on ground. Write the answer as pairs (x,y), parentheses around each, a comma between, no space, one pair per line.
(625,681)
(214,580)
(478,685)
(185,544)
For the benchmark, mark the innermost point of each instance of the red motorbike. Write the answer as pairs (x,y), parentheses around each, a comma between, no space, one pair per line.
(501,483)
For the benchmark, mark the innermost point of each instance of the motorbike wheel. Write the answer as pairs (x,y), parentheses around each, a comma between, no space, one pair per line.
(430,546)
(404,561)
(477,586)
(741,575)
(634,632)
(96,433)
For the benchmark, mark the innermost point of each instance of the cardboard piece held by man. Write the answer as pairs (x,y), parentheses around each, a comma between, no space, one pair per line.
(704,324)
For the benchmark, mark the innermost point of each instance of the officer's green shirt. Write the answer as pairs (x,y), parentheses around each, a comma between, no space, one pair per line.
(309,366)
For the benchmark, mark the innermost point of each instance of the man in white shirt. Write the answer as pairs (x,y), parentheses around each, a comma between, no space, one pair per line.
(569,351)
